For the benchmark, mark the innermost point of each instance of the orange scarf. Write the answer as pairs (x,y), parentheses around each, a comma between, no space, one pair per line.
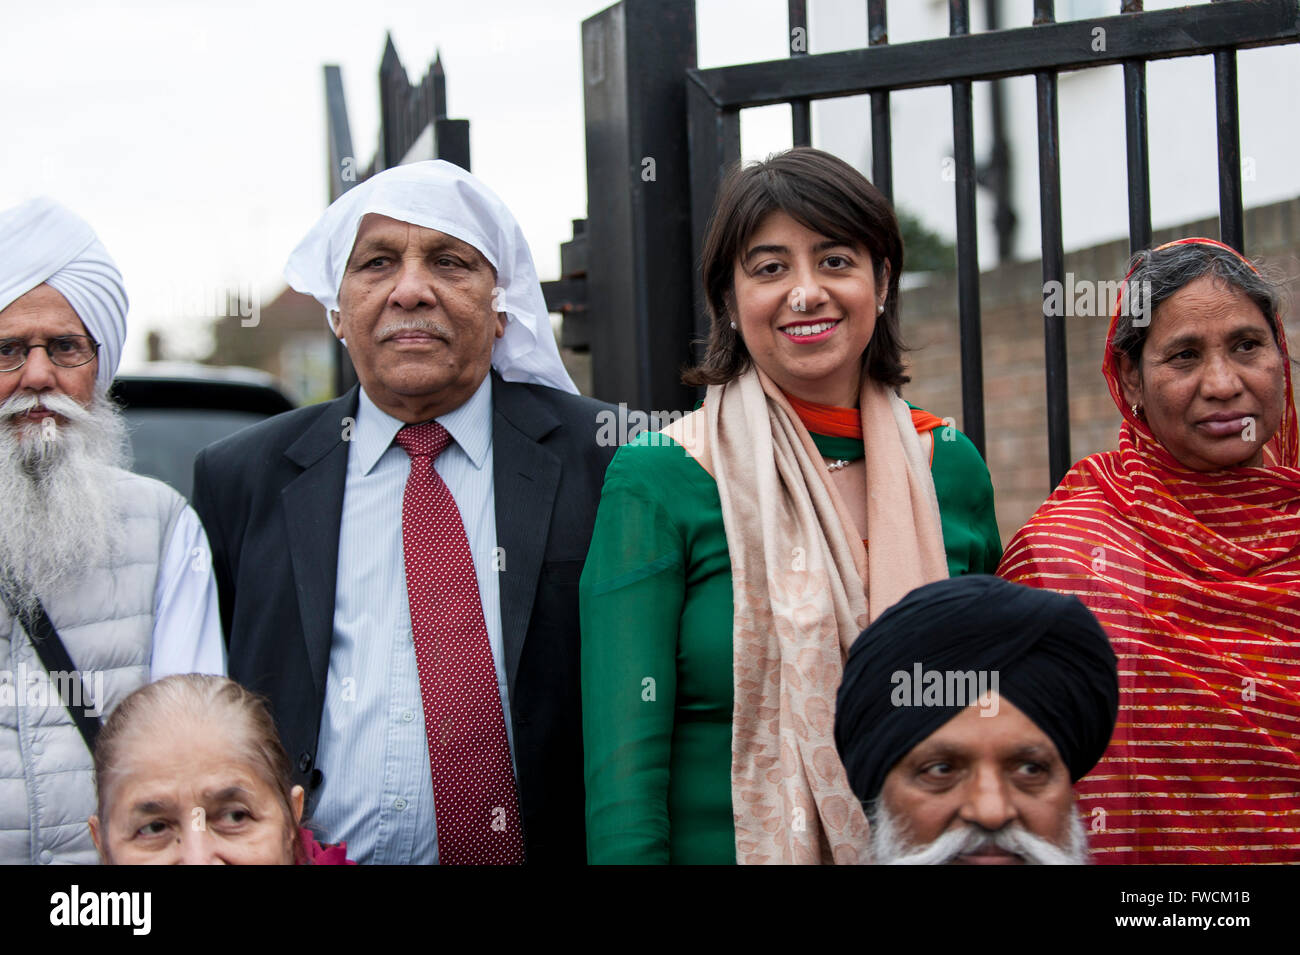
(836,422)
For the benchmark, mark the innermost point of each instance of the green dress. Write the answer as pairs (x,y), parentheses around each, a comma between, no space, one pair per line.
(656,608)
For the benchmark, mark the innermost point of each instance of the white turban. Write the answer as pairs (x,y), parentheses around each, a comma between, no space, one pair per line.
(41,241)
(442,196)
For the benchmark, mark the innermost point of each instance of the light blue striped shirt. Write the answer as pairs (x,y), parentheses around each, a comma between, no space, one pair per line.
(377,793)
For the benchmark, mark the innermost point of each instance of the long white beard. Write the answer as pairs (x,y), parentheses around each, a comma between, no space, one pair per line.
(890,845)
(60,513)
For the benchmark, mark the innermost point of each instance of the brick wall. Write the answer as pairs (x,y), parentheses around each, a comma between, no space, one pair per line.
(1015,397)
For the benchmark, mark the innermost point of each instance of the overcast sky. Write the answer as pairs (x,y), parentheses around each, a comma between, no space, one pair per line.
(191,135)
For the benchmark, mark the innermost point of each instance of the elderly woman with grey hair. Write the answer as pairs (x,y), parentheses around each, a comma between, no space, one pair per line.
(1185,543)
(190,771)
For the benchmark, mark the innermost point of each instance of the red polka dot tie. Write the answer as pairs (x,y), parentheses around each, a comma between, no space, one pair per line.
(474,796)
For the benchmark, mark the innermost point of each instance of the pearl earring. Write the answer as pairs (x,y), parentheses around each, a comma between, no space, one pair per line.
(733,324)
(880,309)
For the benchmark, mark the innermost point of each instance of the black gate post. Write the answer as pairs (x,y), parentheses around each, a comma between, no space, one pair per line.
(635,57)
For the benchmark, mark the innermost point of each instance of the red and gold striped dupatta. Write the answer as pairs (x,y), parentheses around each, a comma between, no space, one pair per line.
(1196,579)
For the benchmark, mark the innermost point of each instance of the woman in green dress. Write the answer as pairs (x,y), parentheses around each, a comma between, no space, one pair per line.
(739,552)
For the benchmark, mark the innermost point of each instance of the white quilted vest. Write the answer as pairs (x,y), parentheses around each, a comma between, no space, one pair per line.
(105,619)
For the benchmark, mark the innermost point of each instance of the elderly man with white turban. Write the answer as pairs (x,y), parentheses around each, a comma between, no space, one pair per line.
(105,576)
(398,568)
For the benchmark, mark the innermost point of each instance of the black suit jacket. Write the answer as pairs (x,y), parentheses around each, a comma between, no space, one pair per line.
(271,500)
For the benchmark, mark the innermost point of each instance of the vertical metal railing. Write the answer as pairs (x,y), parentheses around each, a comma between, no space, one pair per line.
(1232,228)
(882,141)
(1053,260)
(1137,156)
(997,174)
(797,41)
(968,267)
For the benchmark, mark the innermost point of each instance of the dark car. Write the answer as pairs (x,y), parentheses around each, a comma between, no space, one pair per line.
(174,411)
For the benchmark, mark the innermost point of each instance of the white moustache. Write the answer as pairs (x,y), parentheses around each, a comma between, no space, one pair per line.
(890,845)
(20,404)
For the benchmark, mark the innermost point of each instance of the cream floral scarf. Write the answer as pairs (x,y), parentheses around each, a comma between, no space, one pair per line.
(800,602)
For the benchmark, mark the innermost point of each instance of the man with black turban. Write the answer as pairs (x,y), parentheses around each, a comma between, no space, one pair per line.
(966,713)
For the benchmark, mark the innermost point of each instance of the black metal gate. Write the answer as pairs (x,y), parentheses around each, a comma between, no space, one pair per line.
(644,297)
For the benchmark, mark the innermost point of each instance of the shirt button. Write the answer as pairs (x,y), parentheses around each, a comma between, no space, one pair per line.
(399,803)
(46,857)
(37,747)
(408,715)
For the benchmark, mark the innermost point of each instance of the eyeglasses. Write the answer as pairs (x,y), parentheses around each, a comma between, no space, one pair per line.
(66,351)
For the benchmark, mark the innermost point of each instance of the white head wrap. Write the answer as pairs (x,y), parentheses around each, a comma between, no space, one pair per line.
(41,241)
(439,195)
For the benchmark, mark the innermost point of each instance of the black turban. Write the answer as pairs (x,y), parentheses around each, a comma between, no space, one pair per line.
(1052,659)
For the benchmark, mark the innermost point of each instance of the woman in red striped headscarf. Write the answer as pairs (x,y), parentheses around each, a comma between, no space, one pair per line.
(1185,543)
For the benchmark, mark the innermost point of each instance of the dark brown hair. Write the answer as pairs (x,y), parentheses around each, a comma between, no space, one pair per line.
(825,194)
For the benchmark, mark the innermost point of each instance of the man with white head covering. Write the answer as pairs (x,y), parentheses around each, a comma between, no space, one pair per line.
(398,568)
(105,576)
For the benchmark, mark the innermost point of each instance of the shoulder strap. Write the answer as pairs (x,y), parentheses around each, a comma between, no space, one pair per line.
(54,655)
